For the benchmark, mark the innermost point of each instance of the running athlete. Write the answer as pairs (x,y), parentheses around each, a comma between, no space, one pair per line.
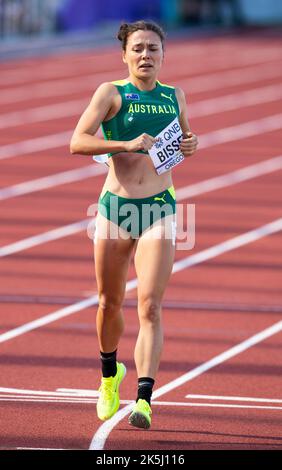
(132,112)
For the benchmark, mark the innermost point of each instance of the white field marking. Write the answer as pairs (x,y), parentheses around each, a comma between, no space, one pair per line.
(237,100)
(241,131)
(43,113)
(228,245)
(85,172)
(206,107)
(45,237)
(227,398)
(57,393)
(70,395)
(36,144)
(28,398)
(50,181)
(195,84)
(88,393)
(84,401)
(221,62)
(35,448)
(189,261)
(53,68)
(58,314)
(219,136)
(229,79)
(234,177)
(104,430)
(67,70)
(79,392)
(202,187)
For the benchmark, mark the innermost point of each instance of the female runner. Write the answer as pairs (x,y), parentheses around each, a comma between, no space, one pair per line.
(132,112)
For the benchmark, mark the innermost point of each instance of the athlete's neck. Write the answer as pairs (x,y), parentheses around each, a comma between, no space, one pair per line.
(143,85)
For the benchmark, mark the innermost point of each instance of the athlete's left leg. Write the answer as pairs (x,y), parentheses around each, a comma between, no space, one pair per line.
(153,262)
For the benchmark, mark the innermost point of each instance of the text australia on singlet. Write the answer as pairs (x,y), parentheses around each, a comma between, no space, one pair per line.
(151,108)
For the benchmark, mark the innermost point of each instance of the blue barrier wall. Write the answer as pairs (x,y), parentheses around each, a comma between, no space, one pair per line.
(79,15)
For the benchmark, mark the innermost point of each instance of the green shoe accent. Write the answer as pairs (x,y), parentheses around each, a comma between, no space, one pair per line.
(141,415)
(108,402)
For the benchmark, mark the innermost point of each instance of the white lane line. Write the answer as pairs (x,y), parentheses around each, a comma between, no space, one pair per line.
(195,84)
(65,393)
(189,261)
(57,393)
(219,62)
(58,314)
(230,78)
(45,237)
(202,187)
(228,245)
(217,405)
(217,182)
(220,104)
(237,176)
(66,70)
(237,100)
(34,448)
(37,144)
(219,136)
(79,392)
(228,398)
(84,401)
(43,113)
(64,312)
(241,131)
(104,430)
(27,398)
(51,69)
(50,181)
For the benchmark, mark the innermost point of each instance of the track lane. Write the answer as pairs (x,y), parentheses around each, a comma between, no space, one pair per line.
(64,351)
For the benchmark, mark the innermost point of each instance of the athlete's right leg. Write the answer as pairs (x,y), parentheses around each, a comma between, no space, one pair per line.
(112,256)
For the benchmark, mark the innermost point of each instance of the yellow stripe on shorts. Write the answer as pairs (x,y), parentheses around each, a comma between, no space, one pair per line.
(171,191)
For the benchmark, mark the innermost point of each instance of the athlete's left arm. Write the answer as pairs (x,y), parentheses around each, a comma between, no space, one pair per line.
(190,140)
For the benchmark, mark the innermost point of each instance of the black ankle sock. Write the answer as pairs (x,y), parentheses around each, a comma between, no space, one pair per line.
(109,363)
(145,388)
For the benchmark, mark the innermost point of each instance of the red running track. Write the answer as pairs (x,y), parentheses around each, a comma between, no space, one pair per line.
(209,307)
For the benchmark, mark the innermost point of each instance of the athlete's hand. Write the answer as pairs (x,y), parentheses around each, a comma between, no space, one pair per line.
(189,144)
(143,142)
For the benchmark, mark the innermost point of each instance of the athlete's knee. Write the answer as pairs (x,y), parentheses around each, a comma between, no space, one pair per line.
(149,309)
(109,303)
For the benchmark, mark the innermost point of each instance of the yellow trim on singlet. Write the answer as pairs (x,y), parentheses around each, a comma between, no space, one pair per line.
(164,84)
(171,191)
(120,82)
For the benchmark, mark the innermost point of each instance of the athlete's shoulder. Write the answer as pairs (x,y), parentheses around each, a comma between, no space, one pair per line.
(180,93)
(120,83)
(106,88)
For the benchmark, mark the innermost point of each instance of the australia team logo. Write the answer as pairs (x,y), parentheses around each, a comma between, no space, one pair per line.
(132,96)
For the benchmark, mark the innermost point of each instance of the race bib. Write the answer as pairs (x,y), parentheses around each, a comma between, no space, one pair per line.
(166,152)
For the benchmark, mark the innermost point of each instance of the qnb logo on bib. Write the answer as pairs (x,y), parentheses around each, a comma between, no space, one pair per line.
(166,152)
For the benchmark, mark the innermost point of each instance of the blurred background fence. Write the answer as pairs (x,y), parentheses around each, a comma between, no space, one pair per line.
(21,18)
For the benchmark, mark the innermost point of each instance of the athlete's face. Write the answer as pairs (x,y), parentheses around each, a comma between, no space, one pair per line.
(143,54)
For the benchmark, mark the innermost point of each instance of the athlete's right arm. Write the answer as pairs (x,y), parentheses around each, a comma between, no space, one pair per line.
(85,142)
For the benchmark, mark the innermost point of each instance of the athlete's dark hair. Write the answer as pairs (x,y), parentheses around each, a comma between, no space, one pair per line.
(128,28)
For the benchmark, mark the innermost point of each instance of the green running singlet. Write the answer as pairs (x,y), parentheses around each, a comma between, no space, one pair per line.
(141,111)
